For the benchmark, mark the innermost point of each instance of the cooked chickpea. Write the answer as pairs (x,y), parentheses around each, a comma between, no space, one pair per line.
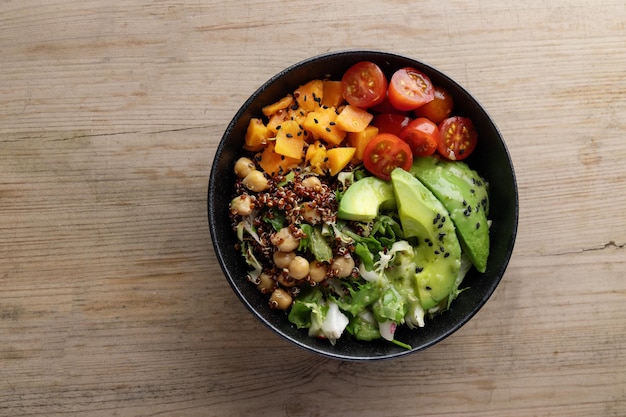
(311,182)
(298,267)
(266,284)
(280,299)
(317,271)
(255,181)
(343,266)
(243,167)
(284,240)
(282,259)
(310,214)
(241,205)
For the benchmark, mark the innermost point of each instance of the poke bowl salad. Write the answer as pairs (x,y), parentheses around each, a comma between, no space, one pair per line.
(356,204)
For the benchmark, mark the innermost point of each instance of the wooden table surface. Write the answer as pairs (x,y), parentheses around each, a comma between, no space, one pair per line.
(112,302)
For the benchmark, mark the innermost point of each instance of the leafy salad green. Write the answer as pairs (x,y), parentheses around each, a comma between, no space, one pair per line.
(402,265)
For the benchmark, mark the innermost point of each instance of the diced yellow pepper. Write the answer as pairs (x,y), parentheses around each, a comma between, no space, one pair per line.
(289,140)
(359,140)
(256,135)
(333,94)
(276,120)
(281,104)
(321,124)
(309,96)
(338,158)
(274,163)
(353,119)
(316,157)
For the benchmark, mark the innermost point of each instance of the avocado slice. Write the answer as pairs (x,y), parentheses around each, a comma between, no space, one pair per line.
(363,200)
(438,252)
(465,195)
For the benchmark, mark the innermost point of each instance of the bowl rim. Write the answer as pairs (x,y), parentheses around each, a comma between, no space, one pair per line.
(212,193)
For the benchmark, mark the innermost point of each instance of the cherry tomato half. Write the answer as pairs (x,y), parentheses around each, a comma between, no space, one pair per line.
(457,138)
(439,108)
(385,153)
(410,89)
(364,85)
(390,122)
(422,135)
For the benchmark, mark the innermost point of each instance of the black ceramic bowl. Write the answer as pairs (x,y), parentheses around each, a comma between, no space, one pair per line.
(491,159)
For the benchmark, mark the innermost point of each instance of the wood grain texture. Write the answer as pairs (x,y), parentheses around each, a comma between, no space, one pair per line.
(111,299)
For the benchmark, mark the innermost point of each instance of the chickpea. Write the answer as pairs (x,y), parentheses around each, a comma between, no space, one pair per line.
(317,271)
(312,182)
(280,299)
(309,214)
(282,259)
(343,266)
(241,205)
(243,167)
(255,181)
(298,267)
(266,284)
(284,240)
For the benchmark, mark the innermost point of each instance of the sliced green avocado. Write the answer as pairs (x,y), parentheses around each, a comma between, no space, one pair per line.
(438,253)
(464,194)
(363,200)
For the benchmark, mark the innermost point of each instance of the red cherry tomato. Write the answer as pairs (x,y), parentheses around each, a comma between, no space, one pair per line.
(385,153)
(364,85)
(410,89)
(457,138)
(390,122)
(422,135)
(384,106)
(439,108)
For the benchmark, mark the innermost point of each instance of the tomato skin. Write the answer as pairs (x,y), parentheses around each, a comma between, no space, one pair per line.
(386,152)
(422,135)
(439,108)
(390,122)
(409,89)
(364,85)
(457,138)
